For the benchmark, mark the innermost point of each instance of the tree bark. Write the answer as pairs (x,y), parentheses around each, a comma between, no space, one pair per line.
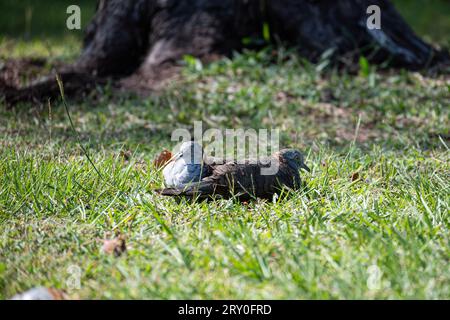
(136,39)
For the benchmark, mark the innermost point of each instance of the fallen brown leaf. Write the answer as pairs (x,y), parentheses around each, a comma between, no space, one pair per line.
(162,158)
(125,154)
(114,246)
(354,176)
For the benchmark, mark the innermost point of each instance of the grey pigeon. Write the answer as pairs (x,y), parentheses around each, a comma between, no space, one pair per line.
(41,293)
(186,166)
(246,180)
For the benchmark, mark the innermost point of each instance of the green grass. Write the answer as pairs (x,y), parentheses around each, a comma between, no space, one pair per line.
(321,242)
(429,18)
(34,19)
(30,28)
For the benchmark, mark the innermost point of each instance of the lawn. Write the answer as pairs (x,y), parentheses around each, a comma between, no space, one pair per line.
(371,220)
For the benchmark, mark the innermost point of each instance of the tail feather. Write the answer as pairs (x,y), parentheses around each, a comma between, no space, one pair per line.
(201,189)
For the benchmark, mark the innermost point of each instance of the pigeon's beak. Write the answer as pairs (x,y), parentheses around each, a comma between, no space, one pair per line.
(305,167)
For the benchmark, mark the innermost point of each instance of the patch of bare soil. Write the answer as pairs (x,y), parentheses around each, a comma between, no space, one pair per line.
(17,72)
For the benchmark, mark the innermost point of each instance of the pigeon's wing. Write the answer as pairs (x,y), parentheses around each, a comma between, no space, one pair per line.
(202,189)
(254,179)
(240,179)
(168,175)
(213,183)
(190,187)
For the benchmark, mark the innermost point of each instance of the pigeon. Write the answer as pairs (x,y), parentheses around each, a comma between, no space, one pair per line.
(245,180)
(41,293)
(186,166)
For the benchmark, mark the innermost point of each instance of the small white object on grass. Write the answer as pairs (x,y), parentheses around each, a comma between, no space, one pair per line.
(40,293)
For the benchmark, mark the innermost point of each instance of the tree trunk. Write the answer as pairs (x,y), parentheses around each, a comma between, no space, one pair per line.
(137,39)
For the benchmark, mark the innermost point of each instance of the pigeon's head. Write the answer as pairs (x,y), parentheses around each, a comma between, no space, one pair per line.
(191,152)
(294,159)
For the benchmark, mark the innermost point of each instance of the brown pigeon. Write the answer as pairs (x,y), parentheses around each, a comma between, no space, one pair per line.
(246,180)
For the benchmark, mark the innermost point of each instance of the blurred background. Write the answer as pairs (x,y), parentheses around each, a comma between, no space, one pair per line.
(31,19)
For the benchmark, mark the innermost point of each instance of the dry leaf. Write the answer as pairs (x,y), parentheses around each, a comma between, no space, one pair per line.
(125,154)
(114,246)
(162,158)
(354,176)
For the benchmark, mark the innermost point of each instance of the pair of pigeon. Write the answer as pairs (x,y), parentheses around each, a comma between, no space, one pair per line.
(189,174)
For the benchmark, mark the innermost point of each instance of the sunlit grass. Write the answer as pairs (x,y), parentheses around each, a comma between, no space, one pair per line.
(66,49)
(377,198)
